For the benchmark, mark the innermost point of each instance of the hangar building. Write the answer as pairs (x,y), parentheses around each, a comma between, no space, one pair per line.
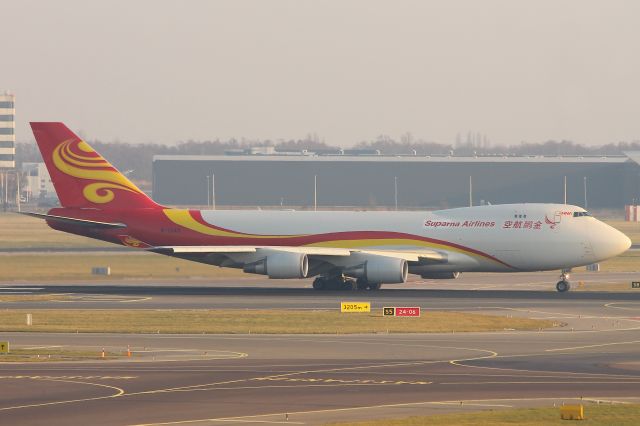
(370,181)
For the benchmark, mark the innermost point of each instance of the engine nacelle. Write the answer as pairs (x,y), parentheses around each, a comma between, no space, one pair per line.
(280,265)
(381,269)
(440,275)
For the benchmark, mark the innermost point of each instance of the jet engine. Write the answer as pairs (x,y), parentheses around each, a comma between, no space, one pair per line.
(280,265)
(440,275)
(381,269)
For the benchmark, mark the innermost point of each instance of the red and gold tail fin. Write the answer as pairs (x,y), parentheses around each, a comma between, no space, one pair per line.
(81,176)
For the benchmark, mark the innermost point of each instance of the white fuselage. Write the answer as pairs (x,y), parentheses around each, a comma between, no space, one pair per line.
(500,238)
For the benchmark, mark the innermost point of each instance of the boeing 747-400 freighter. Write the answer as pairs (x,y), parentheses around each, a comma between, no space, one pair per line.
(342,249)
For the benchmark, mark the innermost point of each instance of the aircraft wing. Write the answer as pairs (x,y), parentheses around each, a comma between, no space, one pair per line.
(313,252)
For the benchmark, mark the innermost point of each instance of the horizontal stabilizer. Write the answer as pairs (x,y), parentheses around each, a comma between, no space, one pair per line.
(74,221)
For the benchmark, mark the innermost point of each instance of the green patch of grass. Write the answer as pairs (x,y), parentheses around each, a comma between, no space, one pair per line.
(613,286)
(626,262)
(56,354)
(33,297)
(20,231)
(136,265)
(631,229)
(255,321)
(596,415)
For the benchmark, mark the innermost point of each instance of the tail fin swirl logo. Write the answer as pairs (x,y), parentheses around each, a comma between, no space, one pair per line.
(76,158)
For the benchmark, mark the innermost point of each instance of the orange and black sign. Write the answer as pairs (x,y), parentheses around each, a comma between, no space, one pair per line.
(389,312)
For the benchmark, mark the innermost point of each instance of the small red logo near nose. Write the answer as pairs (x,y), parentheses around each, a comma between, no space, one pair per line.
(552,223)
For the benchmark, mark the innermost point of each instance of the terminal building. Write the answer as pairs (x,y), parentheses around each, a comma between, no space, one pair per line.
(382,182)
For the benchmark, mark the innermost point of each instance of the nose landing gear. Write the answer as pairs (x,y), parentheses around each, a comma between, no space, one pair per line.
(563,285)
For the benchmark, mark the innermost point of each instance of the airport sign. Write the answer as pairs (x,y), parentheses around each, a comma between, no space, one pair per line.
(401,311)
(4,347)
(635,284)
(355,307)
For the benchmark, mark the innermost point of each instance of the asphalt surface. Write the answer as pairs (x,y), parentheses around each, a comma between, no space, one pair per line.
(249,379)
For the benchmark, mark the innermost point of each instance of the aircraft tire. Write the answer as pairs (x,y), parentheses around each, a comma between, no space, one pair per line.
(374,287)
(349,285)
(563,286)
(319,284)
(362,284)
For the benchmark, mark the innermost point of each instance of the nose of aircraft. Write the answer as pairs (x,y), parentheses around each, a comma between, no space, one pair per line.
(607,241)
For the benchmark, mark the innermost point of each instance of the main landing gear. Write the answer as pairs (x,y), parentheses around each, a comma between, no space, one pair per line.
(343,283)
(563,285)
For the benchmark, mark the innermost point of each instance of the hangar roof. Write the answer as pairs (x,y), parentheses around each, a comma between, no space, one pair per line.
(635,156)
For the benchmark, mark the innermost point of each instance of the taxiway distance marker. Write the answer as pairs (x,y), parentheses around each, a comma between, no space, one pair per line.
(355,307)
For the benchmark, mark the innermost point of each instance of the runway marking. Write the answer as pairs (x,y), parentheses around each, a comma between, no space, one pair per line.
(358,367)
(347,340)
(492,354)
(185,388)
(611,305)
(89,298)
(319,385)
(370,407)
(561,315)
(341,381)
(142,299)
(546,382)
(70,377)
(44,347)
(459,363)
(592,346)
(119,392)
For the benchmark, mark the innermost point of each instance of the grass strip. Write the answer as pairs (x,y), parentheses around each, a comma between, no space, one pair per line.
(56,354)
(20,231)
(596,415)
(33,297)
(77,266)
(230,321)
(626,262)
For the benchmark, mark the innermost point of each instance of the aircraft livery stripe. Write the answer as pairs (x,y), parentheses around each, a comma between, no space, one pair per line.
(193,221)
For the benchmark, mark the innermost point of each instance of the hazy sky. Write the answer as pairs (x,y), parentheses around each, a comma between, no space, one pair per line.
(164,71)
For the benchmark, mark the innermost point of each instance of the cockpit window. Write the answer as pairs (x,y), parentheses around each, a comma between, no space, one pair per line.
(581,214)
